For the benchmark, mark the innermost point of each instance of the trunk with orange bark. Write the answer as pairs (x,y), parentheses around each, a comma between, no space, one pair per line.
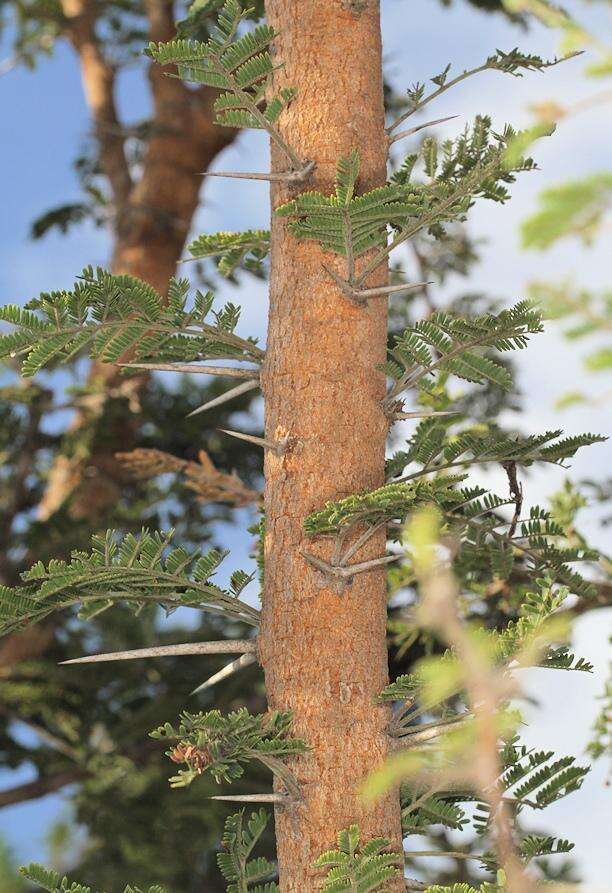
(323,650)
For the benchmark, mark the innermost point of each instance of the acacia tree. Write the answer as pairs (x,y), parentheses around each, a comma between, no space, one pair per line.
(59,705)
(328,412)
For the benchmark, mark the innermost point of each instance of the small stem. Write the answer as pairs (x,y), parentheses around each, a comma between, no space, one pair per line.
(435,94)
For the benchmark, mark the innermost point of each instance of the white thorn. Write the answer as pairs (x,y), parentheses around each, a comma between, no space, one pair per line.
(228,646)
(252,798)
(245,660)
(277,448)
(413,130)
(230,371)
(228,395)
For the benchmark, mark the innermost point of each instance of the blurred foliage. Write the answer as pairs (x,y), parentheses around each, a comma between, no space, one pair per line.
(577,209)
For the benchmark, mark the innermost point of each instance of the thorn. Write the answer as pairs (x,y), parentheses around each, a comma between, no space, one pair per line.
(413,130)
(229,646)
(253,798)
(360,296)
(279,447)
(398,416)
(230,371)
(245,660)
(345,287)
(346,571)
(292,176)
(228,395)
(391,289)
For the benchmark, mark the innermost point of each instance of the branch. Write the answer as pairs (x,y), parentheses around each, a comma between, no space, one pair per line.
(99,84)
(41,787)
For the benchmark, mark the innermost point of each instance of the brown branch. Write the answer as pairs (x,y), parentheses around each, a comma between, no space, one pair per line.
(44,785)
(99,84)
(41,787)
(516,492)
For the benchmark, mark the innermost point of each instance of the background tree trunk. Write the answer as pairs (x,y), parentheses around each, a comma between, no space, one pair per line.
(324,651)
(152,220)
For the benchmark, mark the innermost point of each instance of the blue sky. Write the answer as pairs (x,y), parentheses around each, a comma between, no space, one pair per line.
(44,121)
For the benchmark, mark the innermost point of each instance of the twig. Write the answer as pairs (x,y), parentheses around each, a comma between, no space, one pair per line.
(427,733)
(361,296)
(516,492)
(231,646)
(399,416)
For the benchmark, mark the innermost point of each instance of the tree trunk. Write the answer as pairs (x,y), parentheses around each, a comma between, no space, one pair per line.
(324,651)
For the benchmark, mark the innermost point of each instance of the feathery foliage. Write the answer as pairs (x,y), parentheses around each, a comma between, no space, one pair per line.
(246,249)
(513,62)
(391,501)
(346,223)
(52,882)
(116,317)
(239,66)
(358,868)
(576,208)
(243,873)
(434,450)
(135,570)
(444,344)
(221,744)
(350,224)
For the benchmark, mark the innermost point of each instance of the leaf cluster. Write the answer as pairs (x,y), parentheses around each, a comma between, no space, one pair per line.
(447,344)
(222,745)
(239,66)
(358,868)
(135,571)
(246,250)
(120,317)
(243,873)
(52,882)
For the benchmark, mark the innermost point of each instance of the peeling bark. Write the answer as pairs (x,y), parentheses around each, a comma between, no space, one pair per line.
(323,650)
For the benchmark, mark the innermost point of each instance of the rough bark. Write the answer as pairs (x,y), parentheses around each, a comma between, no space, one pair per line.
(324,651)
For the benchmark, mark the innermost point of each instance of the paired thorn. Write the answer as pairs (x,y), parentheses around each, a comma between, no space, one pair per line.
(245,660)
(296,176)
(230,371)
(413,130)
(229,646)
(228,395)
(254,798)
(279,447)
(346,572)
(361,296)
